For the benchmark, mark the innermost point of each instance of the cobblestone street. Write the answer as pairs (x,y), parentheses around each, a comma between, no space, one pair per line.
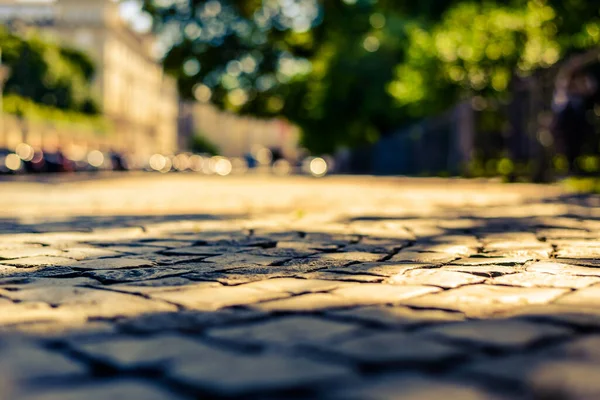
(151,287)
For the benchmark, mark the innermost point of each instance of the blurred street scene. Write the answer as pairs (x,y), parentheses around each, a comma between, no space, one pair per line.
(299,199)
(439,88)
(182,286)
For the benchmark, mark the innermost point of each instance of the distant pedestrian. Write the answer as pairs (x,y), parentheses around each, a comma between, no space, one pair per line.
(574,93)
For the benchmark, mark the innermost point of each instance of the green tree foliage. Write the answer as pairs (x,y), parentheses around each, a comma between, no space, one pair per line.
(48,74)
(348,71)
(478,48)
(200,144)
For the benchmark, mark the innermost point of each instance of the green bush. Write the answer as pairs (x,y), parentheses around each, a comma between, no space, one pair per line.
(200,144)
(22,107)
(48,74)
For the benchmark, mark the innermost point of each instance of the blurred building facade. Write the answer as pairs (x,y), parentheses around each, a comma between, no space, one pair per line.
(140,101)
(236,136)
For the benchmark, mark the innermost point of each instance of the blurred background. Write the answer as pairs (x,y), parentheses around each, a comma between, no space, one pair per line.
(483,88)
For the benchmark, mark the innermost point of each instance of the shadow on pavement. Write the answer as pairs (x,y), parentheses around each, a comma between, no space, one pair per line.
(479,303)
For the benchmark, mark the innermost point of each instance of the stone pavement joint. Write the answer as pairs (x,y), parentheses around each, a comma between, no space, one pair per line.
(343,288)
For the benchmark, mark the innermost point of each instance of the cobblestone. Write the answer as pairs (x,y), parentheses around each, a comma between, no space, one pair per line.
(411,387)
(396,316)
(287,331)
(485,300)
(181,287)
(588,297)
(214,298)
(435,277)
(393,348)
(128,389)
(238,374)
(496,333)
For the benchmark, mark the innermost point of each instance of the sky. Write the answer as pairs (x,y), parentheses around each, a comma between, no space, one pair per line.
(131,11)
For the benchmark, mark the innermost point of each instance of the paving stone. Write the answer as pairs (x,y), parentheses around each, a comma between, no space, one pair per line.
(84,253)
(578,252)
(434,277)
(568,315)
(380,268)
(201,267)
(206,251)
(39,261)
(296,286)
(122,389)
(10,254)
(511,245)
(315,264)
(59,329)
(91,302)
(576,243)
(463,239)
(253,269)
(533,254)
(324,275)
(308,245)
(564,234)
(5,245)
(558,268)
(281,252)
(7,272)
(236,374)
(485,300)
(373,293)
(243,258)
(234,279)
(371,245)
(136,274)
(28,363)
(449,248)
(307,303)
(111,263)
(243,241)
(390,229)
(129,352)
(286,331)
(514,371)
(567,380)
(587,262)
(493,230)
(170,284)
(166,243)
(20,284)
(503,261)
(34,272)
(410,387)
(214,298)
(122,232)
(135,250)
(424,257)
(187,321)
(19,313)
(392,347)
(486,271)
(396,316)
(587,297)
(506,333)
(351,256)
(586,348)
(538,279)
(162,259)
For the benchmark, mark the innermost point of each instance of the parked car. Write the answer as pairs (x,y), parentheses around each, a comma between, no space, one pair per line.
(57,162)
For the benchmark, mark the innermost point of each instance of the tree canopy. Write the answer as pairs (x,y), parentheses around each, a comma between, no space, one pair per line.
(48,74)
(348,71)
